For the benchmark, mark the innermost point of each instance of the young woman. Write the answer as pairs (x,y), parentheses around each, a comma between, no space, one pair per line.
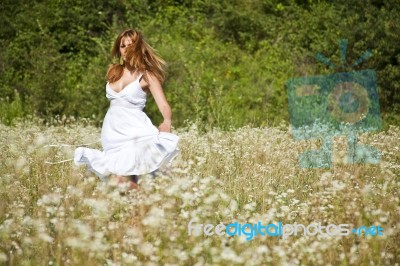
(132,145)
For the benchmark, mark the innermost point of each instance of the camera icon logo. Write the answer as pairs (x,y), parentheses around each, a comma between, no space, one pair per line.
(340,104)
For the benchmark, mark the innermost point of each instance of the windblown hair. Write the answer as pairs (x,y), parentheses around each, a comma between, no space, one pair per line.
(139,55)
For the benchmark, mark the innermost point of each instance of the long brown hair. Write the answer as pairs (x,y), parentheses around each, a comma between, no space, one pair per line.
(139,56)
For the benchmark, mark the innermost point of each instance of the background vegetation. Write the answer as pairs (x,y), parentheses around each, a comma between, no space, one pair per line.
(228,60)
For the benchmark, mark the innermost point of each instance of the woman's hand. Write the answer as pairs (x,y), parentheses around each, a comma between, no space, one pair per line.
(165,126)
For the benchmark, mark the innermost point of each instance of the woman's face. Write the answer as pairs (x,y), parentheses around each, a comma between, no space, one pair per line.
(125,42)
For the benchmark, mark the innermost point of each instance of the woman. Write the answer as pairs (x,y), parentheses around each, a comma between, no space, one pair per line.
(132,145)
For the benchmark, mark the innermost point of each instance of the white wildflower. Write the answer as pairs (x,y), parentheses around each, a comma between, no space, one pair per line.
(129,258)
(338,185)
(262,249)
(230,255)
(49,199)
(146,249)
(40,140)
(99,207)
(20,163)
(233,206)
(154,218)
(45,237)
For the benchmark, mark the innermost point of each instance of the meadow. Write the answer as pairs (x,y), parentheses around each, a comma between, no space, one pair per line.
(59,214)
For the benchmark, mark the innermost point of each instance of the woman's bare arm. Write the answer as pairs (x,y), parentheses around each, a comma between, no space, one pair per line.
(156,90)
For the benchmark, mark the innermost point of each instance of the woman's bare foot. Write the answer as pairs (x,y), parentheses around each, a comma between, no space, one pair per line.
(133,179)
(133,185)
(126,179)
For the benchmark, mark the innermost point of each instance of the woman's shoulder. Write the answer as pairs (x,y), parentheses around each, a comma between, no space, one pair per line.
(152,77)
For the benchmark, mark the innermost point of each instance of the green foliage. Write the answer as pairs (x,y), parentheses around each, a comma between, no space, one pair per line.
(227,61)
(11,109)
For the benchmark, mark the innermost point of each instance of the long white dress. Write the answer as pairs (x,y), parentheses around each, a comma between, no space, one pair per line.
(132,145)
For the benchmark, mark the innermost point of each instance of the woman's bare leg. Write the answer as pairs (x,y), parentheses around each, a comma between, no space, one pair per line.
(124,179)
(134,178)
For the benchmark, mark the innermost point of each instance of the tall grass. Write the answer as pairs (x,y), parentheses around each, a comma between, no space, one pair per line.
(62,215)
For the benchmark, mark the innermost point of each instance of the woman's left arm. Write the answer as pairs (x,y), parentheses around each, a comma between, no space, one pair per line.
(161,101)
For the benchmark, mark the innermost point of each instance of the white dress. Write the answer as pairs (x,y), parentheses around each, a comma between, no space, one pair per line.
(132,145)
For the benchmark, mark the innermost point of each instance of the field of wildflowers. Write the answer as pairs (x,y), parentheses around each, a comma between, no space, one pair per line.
(62,215)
